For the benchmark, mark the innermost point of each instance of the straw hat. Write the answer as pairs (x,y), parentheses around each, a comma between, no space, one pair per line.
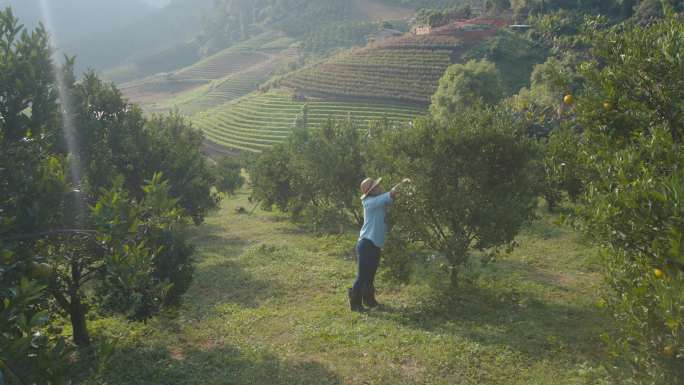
(368,185)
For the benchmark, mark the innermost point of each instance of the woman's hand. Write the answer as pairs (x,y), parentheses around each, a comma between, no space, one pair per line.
(393,192)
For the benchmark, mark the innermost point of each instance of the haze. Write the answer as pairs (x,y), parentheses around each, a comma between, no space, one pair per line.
(104,33)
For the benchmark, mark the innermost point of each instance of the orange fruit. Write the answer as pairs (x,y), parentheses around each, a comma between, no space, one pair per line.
(658,273)
(568,99)
(668,351)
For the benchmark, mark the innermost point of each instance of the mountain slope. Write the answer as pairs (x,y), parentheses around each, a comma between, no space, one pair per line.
(403,69)
(211,81)
(374,9)
(258,121)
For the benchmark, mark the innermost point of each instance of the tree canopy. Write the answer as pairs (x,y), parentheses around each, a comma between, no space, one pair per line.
(466,85)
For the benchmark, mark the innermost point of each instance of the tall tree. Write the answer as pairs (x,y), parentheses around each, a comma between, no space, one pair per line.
(465,85)
(32,181)
(631,117)
(115,221)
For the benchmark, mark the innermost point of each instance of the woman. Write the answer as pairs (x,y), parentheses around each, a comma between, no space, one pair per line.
(371,240)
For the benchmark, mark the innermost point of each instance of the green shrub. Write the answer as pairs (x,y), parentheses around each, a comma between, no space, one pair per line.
(632,116)
(32,183)
(439,17)
(635,211)
(28,354)
(541,107)
(149,264)
(175,150)
(50,182)
(475,183)
(514,54)
(465,85)
(272,179)
(314,175)
(398,256)
(228,175)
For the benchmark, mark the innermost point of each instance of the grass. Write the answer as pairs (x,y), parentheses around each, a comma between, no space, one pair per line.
(256,122)
(268,306)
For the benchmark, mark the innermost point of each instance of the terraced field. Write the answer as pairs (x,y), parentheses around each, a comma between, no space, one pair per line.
(259,121)
(229,74)
(220,65)
(237,58)
(148,92)
(404,69)
(230,88)
(406,73)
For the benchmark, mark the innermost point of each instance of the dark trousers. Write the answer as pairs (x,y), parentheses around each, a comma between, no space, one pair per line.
(369,259)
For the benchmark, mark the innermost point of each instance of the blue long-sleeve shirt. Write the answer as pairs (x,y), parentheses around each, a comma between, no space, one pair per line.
(374,226)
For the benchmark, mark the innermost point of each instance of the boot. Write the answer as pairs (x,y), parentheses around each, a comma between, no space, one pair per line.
(355,301)
(369,297)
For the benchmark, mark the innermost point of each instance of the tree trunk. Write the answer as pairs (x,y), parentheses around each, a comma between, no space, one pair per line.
(77,311)
(78,322)
(551,204)
(457,257)
(453,276)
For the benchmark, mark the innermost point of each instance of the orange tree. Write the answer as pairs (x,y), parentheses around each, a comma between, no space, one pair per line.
(31,182)
(314,175)
(631,114)
(476,182)
(464,85)
(118,148)
(109,238)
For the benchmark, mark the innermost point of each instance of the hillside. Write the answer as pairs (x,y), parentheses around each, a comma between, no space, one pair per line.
(229,88)
(392,77)
(401,69)
(228,74)
(258,121)
(376,9)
